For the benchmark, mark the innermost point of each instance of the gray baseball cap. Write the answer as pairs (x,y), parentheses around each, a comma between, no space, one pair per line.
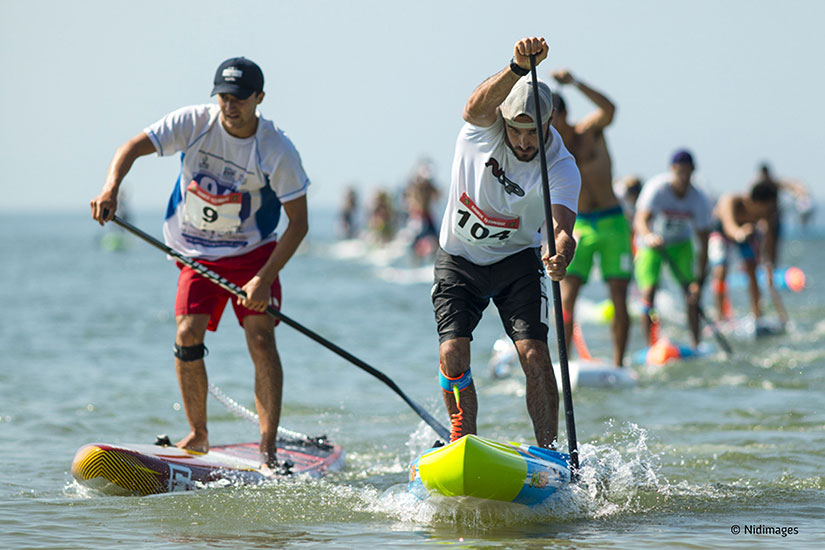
(520,101)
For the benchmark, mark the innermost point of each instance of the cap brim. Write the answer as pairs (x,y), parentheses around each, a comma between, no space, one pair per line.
(232,89)
(526,125)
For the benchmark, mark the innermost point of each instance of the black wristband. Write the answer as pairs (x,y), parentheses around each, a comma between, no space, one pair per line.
(516,68)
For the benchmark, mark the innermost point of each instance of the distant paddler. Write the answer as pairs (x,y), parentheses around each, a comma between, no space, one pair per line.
(237,172)
(738,218)
(669,211)
(601,226)
(802,201)
(491,237)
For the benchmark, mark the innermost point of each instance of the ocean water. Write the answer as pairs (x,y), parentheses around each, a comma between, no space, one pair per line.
(693,453)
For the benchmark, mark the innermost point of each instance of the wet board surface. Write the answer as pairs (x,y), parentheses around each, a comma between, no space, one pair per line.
(142,469)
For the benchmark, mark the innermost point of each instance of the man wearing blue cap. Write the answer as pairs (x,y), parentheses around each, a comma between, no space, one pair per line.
(237,172)
(670,208)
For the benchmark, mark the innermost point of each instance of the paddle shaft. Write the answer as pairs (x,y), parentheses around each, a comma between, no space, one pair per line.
(716,334)
(570,421)
(237,291)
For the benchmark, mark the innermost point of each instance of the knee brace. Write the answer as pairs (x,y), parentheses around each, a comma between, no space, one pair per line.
(461,382)
(190,353)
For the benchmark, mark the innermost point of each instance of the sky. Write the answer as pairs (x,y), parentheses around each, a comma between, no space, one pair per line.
(365,89)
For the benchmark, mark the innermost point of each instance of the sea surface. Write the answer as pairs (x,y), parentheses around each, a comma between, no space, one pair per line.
(710,453)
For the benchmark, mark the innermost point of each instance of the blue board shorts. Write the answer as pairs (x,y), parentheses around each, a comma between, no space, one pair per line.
(720,245)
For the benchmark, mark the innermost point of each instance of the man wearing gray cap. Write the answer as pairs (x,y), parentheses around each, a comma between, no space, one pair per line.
(237,171)
(492,234)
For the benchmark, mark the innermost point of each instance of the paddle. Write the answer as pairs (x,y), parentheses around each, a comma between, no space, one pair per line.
(442,432)
(551,246)
(716,334)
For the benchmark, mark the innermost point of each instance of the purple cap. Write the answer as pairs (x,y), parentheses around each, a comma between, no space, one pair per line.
(682,156)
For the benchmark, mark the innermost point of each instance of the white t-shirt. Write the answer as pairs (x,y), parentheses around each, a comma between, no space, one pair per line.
(495,205)
(227,200)
(673,216)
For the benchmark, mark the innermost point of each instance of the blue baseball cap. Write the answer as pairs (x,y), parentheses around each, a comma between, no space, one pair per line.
(682,156)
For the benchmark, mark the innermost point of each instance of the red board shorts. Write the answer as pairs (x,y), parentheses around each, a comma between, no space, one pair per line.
(198,295)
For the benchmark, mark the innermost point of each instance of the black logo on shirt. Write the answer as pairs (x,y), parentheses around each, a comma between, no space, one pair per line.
(509,185)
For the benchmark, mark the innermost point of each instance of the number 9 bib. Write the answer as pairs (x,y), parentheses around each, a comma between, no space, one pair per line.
(474,226)
(205,211)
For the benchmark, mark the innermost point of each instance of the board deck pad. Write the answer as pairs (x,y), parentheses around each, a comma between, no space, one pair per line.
(141,469)
(478,467)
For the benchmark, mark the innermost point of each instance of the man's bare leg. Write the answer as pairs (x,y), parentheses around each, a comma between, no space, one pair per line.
(693,318)
(753,288)
(719,274)
(648,295)
(621,320)
(193,382)
(455,360)
(269,380)
(542,391)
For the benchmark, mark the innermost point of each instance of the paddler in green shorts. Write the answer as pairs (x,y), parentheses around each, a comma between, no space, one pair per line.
(669,210)
(601,226)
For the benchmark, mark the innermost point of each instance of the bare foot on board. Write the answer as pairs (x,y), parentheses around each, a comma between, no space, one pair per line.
(195,443)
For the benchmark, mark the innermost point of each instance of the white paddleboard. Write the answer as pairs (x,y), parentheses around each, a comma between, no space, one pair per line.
(593,373)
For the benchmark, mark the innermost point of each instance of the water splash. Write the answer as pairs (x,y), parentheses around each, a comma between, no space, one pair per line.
(616,477)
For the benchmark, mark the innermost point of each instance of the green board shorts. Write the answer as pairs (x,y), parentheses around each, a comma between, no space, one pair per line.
(608,233)
(649,262)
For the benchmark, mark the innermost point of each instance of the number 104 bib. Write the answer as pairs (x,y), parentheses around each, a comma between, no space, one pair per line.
(473,225)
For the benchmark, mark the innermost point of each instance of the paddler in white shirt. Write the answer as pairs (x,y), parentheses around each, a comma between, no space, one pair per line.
(491,238)
(669,210)
(239,172)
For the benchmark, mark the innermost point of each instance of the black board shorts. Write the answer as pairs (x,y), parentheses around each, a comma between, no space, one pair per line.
(463,289)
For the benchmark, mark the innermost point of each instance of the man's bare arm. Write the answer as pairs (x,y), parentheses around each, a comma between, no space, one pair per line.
(104,205)
(563,221)
(296,230)
(725,211)
(481,107)
(601,117)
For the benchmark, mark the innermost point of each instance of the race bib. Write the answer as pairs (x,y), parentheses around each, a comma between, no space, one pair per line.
(675,229)
(474,226)
(205,211)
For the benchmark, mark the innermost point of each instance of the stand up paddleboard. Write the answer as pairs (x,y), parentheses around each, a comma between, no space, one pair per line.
(665,351)
(784,278)
(585,372)
(139,469)
(594,373)
(477,467)
(747,328)
(505,359)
